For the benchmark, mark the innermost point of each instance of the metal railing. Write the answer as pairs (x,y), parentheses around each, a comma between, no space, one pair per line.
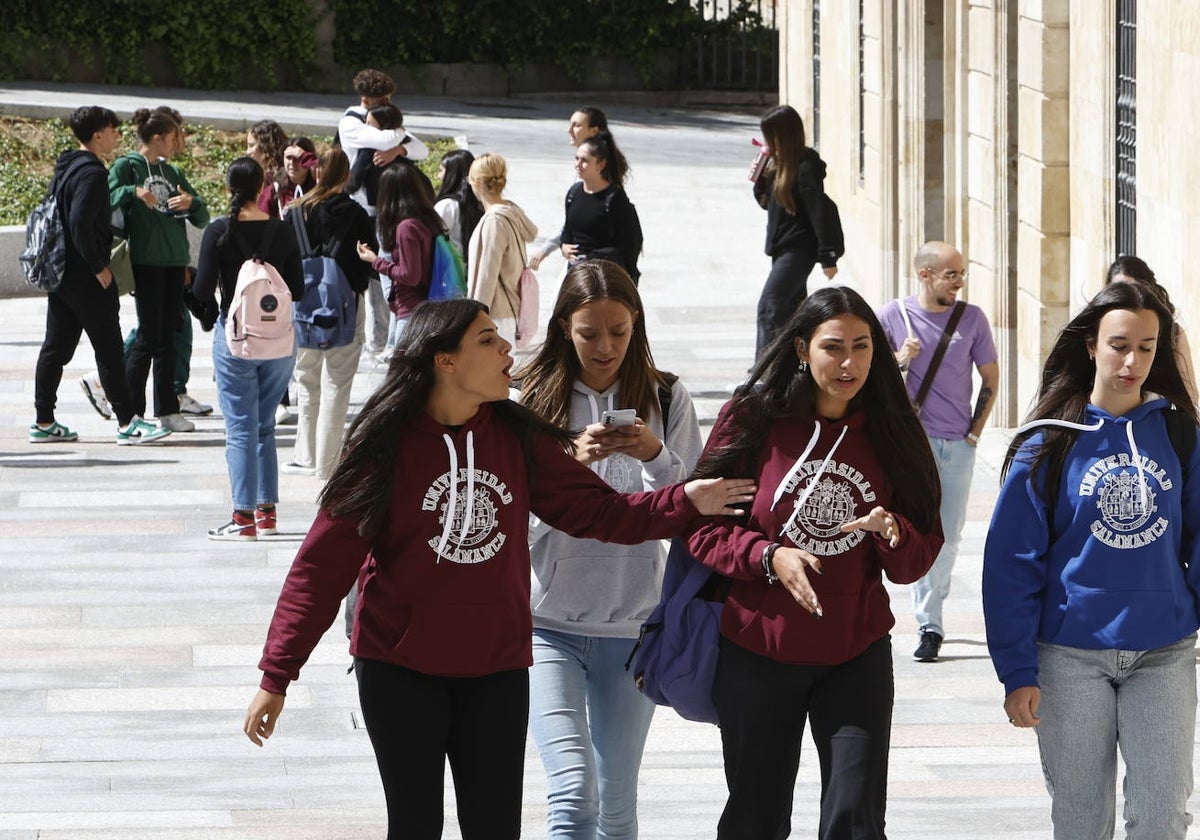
(736,45)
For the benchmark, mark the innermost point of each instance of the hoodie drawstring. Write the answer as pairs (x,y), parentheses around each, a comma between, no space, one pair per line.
(812,484)
(1083,427)
(452,502)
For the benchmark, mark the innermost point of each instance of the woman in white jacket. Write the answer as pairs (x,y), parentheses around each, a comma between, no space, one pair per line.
(588,599)
(496,253)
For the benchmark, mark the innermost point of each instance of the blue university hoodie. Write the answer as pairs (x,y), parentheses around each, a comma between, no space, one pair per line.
(1107,573)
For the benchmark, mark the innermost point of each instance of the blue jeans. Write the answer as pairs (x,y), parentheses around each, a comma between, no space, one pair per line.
(1095,702)
(248,391)
(590,725)
(955,464)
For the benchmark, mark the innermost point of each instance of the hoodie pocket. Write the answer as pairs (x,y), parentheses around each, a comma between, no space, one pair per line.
(1131,620)
(465,639)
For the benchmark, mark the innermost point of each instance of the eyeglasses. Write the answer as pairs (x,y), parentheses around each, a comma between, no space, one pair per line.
(951,275)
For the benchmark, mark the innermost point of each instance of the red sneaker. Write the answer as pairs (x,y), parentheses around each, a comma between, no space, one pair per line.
(264,520)
(239,527)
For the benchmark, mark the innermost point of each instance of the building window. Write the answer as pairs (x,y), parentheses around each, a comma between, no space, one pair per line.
(1126,152)
(816,53)
(862,93)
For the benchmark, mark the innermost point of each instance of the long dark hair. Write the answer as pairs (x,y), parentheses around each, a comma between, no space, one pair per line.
(547,379)
(783,132)
(403,195)
(1136,269)
(244,179)
(778,388)
(604,147)
(1069,375)
(361,485)
(456,185)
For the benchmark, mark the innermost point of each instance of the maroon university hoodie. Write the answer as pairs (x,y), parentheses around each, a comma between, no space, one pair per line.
(813,476)
(444,586)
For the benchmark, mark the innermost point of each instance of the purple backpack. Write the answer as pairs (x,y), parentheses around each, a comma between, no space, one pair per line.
(675,658)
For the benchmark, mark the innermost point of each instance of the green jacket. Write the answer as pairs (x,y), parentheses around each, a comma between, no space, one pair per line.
(156,235)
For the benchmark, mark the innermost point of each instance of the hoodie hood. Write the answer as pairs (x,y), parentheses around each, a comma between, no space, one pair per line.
(526,229)
(67,159)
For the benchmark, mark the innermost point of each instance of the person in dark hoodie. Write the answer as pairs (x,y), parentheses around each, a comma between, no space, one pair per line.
(324,377)
(799,230)
(1091,571)
(429,509)
(155,199)
(849,492)
(87,300)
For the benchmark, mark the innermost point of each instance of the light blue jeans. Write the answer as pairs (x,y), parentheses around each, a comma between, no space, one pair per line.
(1096,701)
(955,464)
(590,725)
(248,391)
(396,325)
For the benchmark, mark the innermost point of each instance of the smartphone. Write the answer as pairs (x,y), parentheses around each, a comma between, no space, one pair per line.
(619,417)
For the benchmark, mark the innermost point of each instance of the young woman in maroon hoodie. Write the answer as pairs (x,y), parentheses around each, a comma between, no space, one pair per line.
(429,509)
(849,491)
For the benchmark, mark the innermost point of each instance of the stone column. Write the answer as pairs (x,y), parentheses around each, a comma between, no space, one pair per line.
(1043,186)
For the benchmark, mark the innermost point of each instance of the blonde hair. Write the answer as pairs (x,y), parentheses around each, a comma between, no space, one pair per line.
(491,171)
(333,170)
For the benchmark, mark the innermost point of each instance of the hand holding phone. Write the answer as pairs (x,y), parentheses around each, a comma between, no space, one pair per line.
(616,418)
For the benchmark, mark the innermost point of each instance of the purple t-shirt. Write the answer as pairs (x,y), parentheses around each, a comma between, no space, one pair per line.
(946,412)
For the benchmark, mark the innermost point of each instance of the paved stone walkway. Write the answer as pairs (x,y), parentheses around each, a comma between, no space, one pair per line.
(128,642)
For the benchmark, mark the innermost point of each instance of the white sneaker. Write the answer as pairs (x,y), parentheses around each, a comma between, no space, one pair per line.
(94,391)
(191,405)
(296,468)
(138,431)
(176,423)
(284,416)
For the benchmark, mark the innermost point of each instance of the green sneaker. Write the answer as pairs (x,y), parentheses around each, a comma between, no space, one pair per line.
(54,433)
(139,431)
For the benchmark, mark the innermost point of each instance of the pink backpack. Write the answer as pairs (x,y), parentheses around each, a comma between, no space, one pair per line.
(259,323)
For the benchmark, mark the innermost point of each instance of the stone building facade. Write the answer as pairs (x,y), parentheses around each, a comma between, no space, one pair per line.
(1042,137)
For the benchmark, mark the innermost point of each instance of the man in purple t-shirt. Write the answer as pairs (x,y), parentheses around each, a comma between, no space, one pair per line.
(914,327)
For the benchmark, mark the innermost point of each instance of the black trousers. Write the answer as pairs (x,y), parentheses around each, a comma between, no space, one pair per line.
(158,294)
(417,721)
(81,305)
(763,706)
(785,289)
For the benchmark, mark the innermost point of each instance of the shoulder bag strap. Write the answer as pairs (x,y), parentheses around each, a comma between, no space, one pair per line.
(516,308)
(296,214)
(943,343)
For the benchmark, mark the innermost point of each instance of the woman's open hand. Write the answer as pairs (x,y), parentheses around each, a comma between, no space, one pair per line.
(716,496)
(261,716)
(789,565)
(878,520)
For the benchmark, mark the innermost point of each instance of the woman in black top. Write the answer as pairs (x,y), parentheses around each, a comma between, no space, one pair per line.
(799,229)
(248,389)
(601,221)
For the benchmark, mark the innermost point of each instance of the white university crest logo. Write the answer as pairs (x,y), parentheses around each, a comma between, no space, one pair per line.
(1126,502)
(482,540)
(833,502)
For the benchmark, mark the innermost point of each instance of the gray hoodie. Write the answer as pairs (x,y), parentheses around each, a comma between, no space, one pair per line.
(591,588)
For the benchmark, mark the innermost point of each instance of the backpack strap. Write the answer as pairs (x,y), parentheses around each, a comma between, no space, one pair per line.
(1182,435)
(296,215)
(665,396)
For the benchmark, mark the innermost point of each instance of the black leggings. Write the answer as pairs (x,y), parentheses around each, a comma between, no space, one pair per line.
(417,721)
(785,289)
(763,704)
(158,295)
